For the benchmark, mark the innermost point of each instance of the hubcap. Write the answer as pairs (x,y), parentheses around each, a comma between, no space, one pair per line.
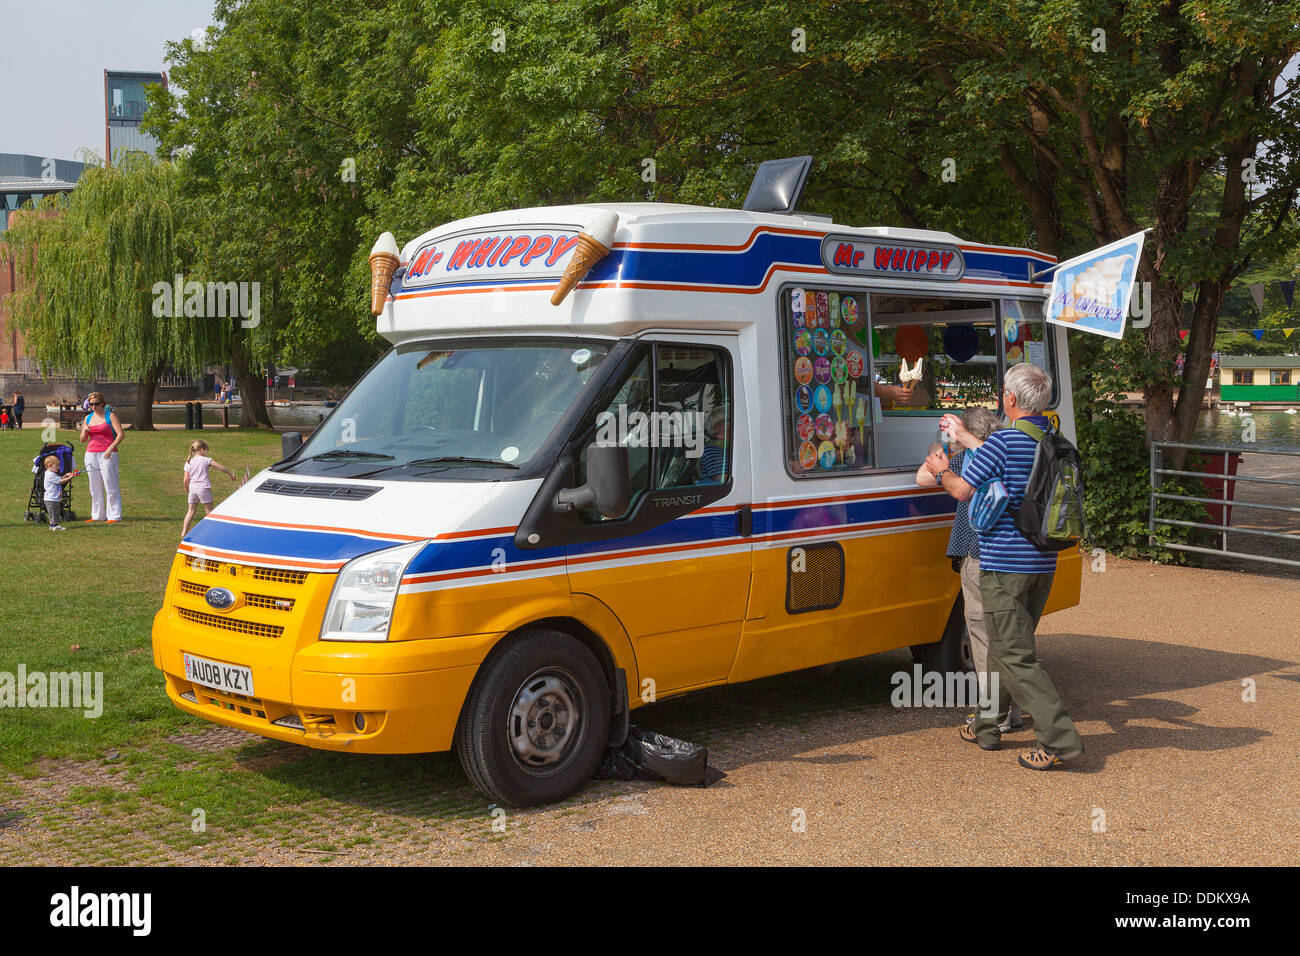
(544,718)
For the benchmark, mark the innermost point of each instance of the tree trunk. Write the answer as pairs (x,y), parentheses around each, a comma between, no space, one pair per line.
(144,393)
(1162,345)
(252,389)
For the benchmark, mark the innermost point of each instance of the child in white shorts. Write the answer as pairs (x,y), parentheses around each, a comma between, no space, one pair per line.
(197,484)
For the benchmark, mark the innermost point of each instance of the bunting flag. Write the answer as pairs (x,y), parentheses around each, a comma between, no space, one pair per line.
(1183,333)
(1259,334)
(1287,332)
(1257,293)
(1288,290)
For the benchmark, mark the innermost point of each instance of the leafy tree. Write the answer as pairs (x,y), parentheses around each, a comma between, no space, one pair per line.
(90,263)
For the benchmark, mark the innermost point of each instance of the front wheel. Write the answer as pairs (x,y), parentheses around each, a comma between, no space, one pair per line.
(534,724)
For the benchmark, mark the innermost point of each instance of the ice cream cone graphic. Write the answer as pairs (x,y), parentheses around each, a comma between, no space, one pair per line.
(383,263)
(593,245)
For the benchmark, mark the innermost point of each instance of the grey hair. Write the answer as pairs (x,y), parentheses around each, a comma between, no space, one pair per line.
(981,422)
(1031,386)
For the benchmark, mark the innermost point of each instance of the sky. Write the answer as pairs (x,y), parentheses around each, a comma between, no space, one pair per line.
(53,61)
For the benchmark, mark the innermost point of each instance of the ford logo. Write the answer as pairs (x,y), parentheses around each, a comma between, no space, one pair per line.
(219,598)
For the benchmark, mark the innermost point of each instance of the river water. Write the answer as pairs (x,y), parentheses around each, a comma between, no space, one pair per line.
(1272,427)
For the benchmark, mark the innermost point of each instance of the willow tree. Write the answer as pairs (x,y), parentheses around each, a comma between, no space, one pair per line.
(93,269)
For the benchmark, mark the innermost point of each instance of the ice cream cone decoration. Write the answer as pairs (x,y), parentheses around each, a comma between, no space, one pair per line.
(594,243)
(383,263)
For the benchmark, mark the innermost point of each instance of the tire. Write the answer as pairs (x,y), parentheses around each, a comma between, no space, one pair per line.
(952,652)
(506,738)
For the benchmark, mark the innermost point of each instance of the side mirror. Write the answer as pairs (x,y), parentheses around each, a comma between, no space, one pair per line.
(290,442)
(609,483)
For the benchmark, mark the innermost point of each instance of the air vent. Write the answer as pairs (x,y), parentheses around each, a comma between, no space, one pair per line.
(300,489)
(815,578)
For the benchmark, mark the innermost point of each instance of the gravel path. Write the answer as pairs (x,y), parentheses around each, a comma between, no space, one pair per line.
(1179,768)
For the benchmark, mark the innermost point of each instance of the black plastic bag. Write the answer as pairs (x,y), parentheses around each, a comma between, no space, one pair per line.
(646,755)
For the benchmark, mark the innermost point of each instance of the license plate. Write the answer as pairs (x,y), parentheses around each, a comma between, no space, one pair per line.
(227,677)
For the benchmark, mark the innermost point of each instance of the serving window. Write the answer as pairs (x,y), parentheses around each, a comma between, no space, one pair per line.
(855,399)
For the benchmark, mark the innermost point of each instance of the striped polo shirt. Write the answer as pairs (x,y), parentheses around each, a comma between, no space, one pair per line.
(1008,454)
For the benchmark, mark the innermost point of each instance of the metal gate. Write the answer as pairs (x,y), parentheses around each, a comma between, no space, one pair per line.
(1224,503)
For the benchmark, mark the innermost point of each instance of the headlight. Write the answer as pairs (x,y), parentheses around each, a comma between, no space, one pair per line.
(362,603)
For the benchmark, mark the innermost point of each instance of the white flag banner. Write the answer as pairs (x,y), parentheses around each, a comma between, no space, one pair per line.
(1092,292)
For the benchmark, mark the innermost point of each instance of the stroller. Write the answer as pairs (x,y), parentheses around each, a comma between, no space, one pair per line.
(67,463)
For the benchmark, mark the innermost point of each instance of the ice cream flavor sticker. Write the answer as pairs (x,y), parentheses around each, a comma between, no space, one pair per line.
(807,455)
(839,369)
(826,455)
(823,427)
(833,310)
(803,398)
(803,342)
(804,426)
(1093,292)
(822,398)
(796,300)
(803,370)
(856,363)
(822,369)
(849,310)
(821,342)
(839,342)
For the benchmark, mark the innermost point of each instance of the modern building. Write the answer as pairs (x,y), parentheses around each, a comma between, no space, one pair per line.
(1259,378)
(124,106)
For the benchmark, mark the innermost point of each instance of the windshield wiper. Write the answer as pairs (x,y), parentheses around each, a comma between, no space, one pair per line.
(349,453)
(462,458)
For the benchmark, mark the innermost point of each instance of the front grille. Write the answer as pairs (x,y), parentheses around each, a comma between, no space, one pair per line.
(279,576)
(229,624)
(268,602)
(300,489)
(210,566)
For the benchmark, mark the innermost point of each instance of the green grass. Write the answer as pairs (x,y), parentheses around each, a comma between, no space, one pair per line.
(96,588)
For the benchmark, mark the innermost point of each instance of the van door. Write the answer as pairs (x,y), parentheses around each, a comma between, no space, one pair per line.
(678,576)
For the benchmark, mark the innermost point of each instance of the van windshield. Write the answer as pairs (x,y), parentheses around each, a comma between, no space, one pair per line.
(441,409)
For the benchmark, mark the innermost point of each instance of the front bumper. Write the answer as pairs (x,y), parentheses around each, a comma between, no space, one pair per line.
(408,694)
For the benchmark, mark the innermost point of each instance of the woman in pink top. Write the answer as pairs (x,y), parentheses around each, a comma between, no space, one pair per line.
(101,434)
(197,484)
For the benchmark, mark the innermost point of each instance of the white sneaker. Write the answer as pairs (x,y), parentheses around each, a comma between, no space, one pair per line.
(57,527)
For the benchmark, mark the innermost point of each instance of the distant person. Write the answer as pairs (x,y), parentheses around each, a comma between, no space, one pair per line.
(54,492)
(225,393)
(20,405)
(713,458)
(1015,577)
(101,434)
(963,548)
(197,484)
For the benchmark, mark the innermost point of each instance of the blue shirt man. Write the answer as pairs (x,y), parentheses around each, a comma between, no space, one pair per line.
(1015,577)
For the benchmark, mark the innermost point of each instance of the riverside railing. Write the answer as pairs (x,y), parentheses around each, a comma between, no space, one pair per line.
(1225,502)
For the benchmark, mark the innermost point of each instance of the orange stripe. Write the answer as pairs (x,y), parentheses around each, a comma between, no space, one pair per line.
(316,527)
(477,572)
(238,558)
(799,502)
(815,532)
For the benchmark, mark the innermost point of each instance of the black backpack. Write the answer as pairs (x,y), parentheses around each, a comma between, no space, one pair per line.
(1051,515)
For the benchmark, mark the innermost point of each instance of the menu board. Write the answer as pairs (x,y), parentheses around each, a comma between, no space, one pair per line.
(826,382)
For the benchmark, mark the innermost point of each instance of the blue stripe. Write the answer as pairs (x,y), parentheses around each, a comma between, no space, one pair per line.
(746,268)
(283,542)
(444,556)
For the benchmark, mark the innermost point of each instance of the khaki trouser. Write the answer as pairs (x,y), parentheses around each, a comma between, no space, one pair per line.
(1013,603)
(973,603)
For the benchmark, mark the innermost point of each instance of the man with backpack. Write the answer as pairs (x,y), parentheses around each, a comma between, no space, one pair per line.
(1039,470)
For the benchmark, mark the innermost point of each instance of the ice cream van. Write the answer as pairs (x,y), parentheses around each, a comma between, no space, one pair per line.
(616,453)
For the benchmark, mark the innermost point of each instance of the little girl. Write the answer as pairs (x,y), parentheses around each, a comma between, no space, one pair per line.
(196,482)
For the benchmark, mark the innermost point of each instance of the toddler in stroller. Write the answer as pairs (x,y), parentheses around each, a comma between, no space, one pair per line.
(62,454)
